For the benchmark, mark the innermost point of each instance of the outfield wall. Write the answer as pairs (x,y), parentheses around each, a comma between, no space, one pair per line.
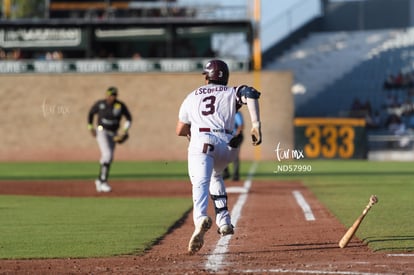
(44,115)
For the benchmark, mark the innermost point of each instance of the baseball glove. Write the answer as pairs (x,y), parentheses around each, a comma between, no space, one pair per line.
(121,138)
(236,141)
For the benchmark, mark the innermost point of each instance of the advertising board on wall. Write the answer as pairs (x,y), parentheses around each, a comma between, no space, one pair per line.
(112,65)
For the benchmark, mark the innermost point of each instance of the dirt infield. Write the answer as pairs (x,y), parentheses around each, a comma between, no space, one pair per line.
(271,236)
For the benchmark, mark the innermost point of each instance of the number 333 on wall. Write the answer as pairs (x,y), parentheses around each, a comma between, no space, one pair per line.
(342,138)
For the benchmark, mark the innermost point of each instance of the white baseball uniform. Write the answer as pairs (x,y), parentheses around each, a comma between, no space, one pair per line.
(210,110)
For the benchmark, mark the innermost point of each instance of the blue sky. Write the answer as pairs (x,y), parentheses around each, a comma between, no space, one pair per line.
(279,17)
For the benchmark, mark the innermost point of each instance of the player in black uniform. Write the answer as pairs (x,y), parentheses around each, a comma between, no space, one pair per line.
(110,112)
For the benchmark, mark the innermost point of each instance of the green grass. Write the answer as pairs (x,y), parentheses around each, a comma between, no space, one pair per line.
(48,227)
(89,170)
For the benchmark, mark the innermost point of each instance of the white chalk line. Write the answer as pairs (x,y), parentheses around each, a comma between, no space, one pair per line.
(216,259)
(236,189)
(400,255)
(307,211)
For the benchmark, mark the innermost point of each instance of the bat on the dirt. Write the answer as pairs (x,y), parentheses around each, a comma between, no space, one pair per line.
(351,231)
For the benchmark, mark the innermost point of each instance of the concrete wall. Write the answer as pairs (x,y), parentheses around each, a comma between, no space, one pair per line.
(44,116)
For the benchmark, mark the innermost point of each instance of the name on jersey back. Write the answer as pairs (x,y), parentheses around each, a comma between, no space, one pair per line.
(209,90)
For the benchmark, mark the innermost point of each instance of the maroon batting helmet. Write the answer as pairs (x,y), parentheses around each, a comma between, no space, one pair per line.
(216,71)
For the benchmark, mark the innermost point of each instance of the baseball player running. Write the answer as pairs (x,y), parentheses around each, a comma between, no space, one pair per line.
(206,118)
(109,111)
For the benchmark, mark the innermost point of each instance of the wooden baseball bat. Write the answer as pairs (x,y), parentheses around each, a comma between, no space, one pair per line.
(351,231)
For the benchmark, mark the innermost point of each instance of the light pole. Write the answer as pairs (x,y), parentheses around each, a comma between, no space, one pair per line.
(46,11)
(6,8)
(257,51)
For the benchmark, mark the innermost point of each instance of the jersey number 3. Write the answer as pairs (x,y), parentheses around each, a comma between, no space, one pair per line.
(210,108)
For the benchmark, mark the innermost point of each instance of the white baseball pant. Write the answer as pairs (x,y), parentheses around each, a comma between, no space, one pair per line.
(208,155)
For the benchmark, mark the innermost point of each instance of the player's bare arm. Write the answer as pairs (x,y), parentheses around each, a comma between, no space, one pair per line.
(250,96)
(182,129)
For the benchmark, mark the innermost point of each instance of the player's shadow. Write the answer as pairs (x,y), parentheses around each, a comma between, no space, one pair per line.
(392,239)
(178,224)
(301,247)
(151,175)
(314,246)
